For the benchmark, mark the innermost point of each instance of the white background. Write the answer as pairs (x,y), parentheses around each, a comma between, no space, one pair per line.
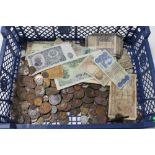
(81,12)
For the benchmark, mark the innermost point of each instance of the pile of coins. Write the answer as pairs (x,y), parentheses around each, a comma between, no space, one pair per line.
(37,101)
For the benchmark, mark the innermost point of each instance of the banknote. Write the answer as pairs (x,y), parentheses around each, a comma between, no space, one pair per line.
(93,70)
(72,74)
(125,60)
(92,81)
(51,57)
(110,42)
(112,68)
(36,46)
(123,101)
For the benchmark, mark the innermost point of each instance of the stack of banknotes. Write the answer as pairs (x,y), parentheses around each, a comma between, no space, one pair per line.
(102,60)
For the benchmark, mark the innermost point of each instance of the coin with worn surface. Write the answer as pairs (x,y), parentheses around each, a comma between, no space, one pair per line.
(45,108)
(62,106)
(84,110)
(67,97)
(62,115)
(39,79)
(54,99)
(33,112)
(30,97)
(100,100)
(40,120)
(89,92)
(40,91)
(96,93)
(32,70)
(29,82)
(46,116)
(53,83)
(95,86)
(100,110)
(45,74)
(75,112)
(54,109)
(79,94)
(38,101)
(69,106)
(45,98)
(46,82)
(87,99)
(84,119)
(76,103)
(77,87)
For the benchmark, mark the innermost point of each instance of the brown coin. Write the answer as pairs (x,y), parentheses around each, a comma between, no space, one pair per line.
(45,74)
(96,93)
(77,87)
(51,91)
(76,103)
(67,97)
(70,90)
(102,119)
(46,116)
(68,108)
(95,86)
(32,70)
(100,100)
(89,92)
(38,101)
(46,82)
(45,108)
(62,106)
(53,83)
(28,82)
(39,90)
(100,110)
(30,97)
(87,99)
(27,119)
(79,94)
(23,70)
(75,112)
(92,111)
(62,115)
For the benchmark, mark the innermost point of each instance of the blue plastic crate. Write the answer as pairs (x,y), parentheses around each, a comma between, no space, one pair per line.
(135,40)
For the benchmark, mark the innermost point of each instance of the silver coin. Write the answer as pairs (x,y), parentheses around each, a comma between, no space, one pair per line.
(54,99)
(45,98)
(39,79)
(39,90)
(33,112)
(84,119)
(54,109)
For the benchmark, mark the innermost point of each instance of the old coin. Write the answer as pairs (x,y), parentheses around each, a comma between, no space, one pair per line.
(89,92)
(84,119)
(40,91)
(62,115)
(54,109)
(20,80)
(79,94)
(95,86)
(20,119)
(102,119)
(45,98)
(23,95)
(77,87)
(33,112)
(45,74)
(32,70)
(51,91)
(54,99)
(84,110)
(53,83)
(39,79)
(62,106)
(30,97)
(64,122)
(75,112)
(96,93)
(69,106)
(47,116)
(93,120)
(70,90)
(40,120)
(28,82)
(67,97)
(45,108)
(46,82)
(100,100)
(76,103)
(100,110)
(87,99)
(38,101)
(24,107)
(24,70)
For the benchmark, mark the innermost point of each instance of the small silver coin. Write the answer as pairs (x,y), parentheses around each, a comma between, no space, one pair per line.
(84,119)
(33,112)
(54,109)
(39,79)
(54,99)
(45,98)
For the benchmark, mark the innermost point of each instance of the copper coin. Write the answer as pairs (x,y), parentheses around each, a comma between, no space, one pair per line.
(46,82)
(53,83)
(92,111)
(24,107)
(89,92)
(45,108)
(33,112)
(38,101)
(79,94)
(30,97)
(64,122)
(54,99)
(100,110)
(77,87)
(75,112)
(69,106)
(95,86)
(102,119)
(76,103)
(87,99)
(32,70)
(45,74)
(100,100)
(62,106)
(67,97)
(28,82)
(40,91)
(62,115)
(30,90)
